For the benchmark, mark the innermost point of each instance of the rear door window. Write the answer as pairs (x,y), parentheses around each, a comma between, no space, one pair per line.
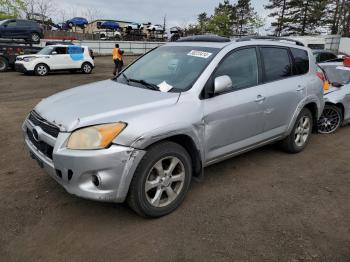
(277,63)
(301,61)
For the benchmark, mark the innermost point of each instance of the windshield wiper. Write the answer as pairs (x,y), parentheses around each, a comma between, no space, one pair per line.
(145,83)
(125,77)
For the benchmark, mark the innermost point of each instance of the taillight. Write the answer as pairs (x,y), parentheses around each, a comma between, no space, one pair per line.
(321,75)
(347,61)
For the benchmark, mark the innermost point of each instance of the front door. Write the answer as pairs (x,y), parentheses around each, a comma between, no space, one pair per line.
(59,59)
(235,120)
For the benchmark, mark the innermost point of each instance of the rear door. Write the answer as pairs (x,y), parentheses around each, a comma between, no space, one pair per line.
(23,28)
(284,90)
(76,56)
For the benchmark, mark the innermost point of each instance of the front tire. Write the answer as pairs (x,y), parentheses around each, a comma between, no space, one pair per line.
(301,133)
(86,68)
(4,64)
(41,70)
(331,120)
(161,181)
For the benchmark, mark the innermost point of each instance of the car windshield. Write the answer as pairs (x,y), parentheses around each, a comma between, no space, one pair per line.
(338,74)
(169,68)
(3,22)
(46,50)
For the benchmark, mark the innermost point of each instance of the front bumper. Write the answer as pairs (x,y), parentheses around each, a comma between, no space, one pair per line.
(22,68)
(77,170)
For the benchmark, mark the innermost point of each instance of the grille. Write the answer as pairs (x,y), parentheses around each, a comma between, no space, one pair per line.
(47,127)
(40,145)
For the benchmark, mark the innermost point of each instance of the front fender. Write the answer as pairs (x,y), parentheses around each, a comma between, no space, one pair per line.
(195,132)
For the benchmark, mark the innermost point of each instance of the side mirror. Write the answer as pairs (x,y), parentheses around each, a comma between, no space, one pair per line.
(5,25)
(54,53)
(222,84)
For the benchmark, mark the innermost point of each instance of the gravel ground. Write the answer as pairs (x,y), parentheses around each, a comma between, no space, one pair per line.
(262,206)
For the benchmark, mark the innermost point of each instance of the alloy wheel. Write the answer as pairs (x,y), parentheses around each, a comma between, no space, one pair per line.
(165,181)
(329,121)
(42,70)
(87,68)
(302,132)
(35,38)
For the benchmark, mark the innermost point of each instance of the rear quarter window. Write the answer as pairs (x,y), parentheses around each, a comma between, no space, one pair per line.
(301,61)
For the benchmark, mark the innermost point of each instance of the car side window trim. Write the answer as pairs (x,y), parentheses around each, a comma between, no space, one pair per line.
(207,93)
(264,81)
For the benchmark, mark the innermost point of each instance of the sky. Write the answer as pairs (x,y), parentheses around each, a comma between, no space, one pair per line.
(178,12)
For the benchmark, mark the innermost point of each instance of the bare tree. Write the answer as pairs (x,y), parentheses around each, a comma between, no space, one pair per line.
(92,14)
(30,8)
(45,8)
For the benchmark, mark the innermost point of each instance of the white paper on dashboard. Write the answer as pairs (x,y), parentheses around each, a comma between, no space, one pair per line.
(165,87)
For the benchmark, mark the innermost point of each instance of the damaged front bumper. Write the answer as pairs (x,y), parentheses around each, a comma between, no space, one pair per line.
(102,175)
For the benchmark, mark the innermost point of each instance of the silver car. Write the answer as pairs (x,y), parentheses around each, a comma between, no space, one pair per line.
(144,135)
(337,98)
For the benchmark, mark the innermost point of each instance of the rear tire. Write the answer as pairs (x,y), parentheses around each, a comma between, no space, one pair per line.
(86,68)
(161,181)
(301,133)
(4,64)
(35,38)
(41,70)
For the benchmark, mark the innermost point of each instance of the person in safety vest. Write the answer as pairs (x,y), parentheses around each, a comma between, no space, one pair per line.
(118,59)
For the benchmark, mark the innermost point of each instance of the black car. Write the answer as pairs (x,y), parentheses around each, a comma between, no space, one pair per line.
(323,56)
(31,31)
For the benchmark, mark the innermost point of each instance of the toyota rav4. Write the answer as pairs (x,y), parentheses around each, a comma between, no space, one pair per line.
(144,135)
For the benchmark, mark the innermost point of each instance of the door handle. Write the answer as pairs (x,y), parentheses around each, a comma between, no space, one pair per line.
(260,98)
(300,88)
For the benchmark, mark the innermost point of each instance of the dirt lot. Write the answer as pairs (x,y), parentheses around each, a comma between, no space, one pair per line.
(262,206)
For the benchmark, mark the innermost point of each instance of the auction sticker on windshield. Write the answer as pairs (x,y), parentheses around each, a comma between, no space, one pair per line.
(200,54)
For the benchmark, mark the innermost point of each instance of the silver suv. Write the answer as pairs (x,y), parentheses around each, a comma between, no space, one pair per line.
(144,135)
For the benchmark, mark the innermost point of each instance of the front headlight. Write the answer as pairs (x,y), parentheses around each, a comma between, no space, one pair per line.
(28,59)
(94,137)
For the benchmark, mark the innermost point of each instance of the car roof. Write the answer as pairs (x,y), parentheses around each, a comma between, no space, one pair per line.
(221,45)
(322,51)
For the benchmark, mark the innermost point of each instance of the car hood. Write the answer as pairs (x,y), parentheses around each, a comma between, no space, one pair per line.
(33,55)
(99,103)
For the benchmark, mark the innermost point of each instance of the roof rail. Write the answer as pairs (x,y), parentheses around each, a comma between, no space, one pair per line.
(204,38)
(274,38)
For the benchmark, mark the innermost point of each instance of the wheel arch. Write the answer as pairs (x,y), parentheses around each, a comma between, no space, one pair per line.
(312,106)
(190,146)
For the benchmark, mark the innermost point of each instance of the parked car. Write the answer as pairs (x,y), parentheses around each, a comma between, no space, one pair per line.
(155,28)
(134,26)
(56,58)
(77,21)
(21,29)
(142,136)
(337,109)
(109,35)
(326,56)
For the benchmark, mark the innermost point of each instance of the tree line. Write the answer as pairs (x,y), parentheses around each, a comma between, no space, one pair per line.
(290,17)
